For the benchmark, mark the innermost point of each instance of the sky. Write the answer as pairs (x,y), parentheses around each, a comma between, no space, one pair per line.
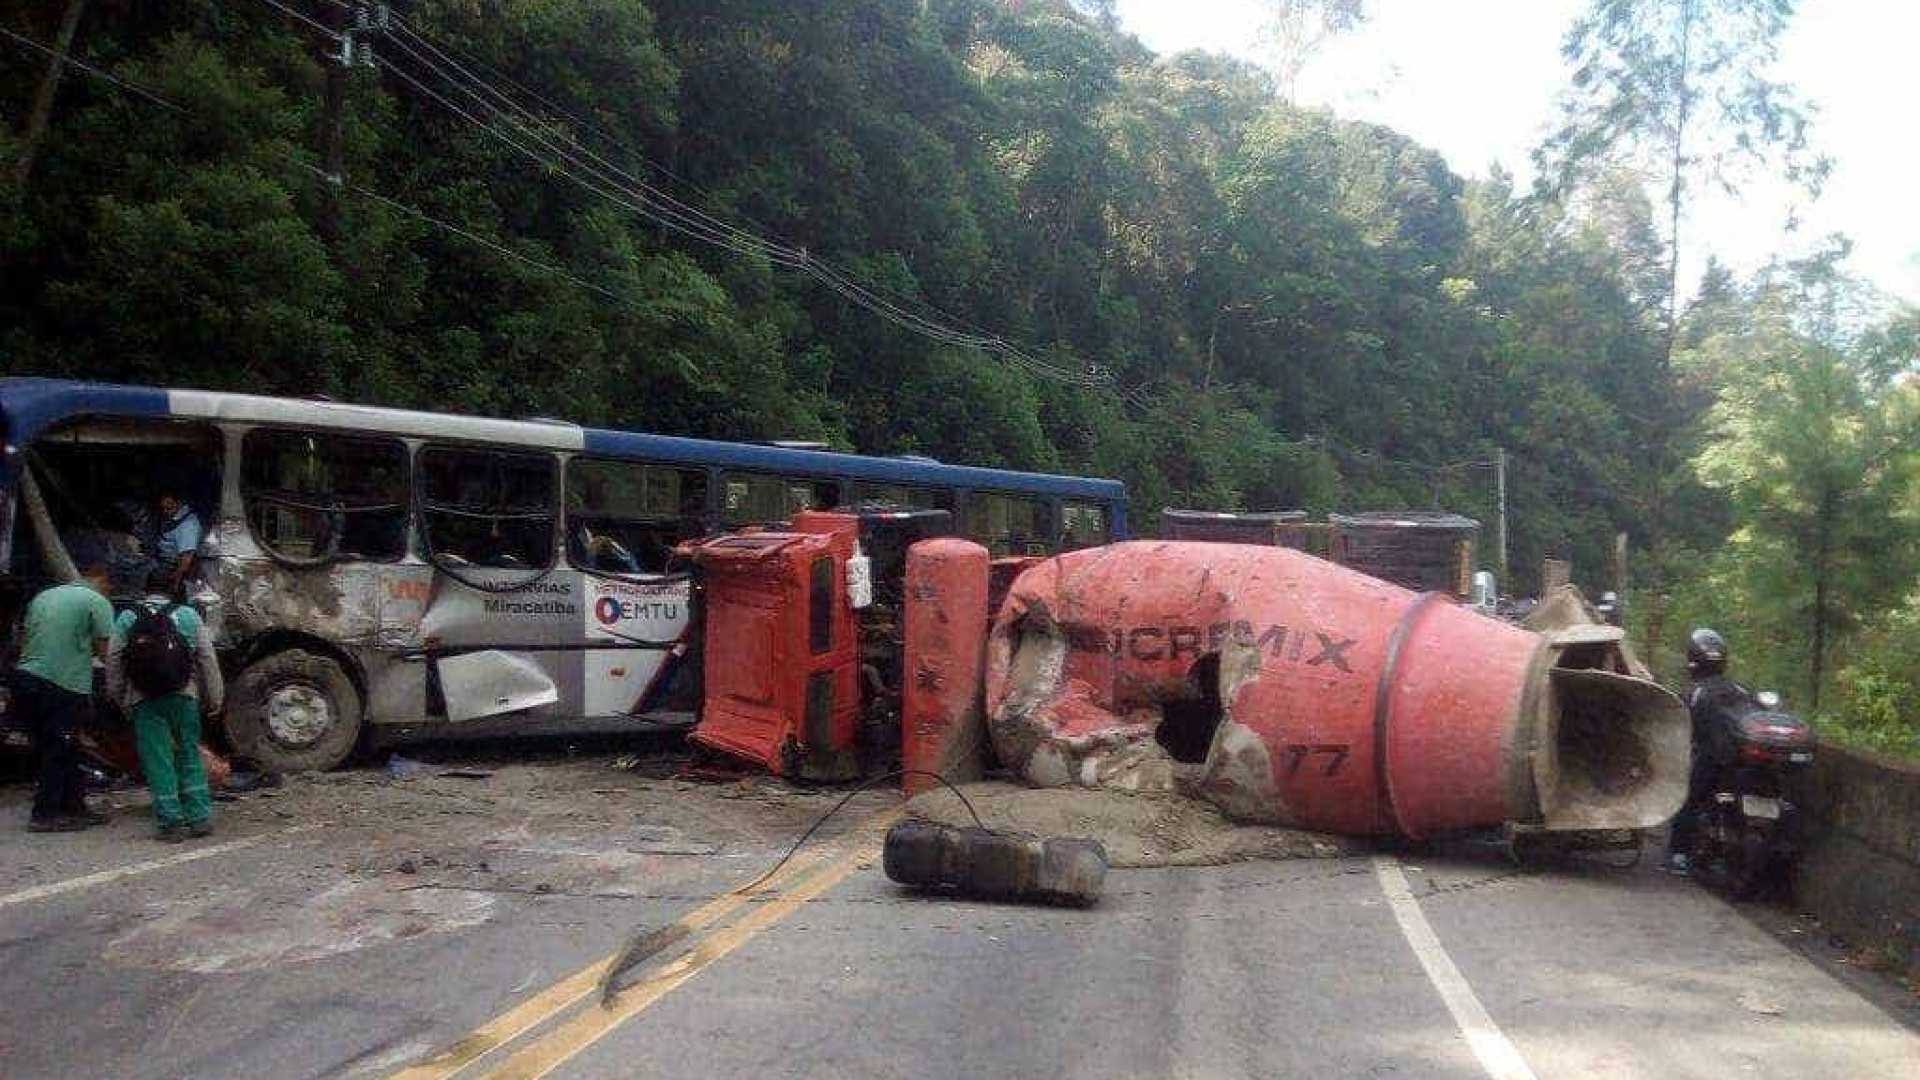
(1477,81)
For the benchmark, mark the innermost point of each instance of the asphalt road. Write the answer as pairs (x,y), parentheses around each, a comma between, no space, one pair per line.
(454,927)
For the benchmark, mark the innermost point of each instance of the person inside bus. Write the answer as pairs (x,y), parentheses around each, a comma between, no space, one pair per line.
(177,541)
(66,627)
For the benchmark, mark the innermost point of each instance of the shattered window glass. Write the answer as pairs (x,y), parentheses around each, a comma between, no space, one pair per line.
(1009,524)
(488,507)
(1083,525)
(625,517)
(315,496)
(758,499)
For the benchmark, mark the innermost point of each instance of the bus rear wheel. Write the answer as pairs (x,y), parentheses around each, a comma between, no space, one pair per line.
(294,711)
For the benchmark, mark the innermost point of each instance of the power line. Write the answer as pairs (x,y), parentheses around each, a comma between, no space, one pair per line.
(604,136)
(1371,457)
(321,175)
(481,240)
(663,209)
(130,87)
(528,92)
(309,20)
(705,220)
(599,184)
(829,277)
(638,202)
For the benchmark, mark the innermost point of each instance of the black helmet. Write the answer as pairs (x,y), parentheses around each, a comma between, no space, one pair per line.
(1706,652)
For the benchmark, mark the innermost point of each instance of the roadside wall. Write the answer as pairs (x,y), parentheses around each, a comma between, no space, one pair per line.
(1860,872)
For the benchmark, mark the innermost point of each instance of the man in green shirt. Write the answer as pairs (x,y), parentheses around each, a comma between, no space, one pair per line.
(67,626)
(163,686)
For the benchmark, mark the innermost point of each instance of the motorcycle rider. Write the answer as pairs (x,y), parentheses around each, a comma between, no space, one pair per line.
(1710,702)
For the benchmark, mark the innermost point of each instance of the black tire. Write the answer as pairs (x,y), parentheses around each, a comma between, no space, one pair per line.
(294,711)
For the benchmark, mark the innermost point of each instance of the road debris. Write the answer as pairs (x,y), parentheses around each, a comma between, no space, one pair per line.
(405,768)
(997,866)
(1136,829)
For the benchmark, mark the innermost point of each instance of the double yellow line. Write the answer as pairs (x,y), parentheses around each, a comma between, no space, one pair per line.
(801,880)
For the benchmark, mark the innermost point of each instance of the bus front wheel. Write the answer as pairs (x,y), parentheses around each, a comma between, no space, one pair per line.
(294,711)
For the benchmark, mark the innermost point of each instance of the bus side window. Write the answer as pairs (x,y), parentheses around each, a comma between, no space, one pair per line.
(625,517)
(487,507)
(759,499)
(1083,525)
(1009,524)
(903,495)
(312,495)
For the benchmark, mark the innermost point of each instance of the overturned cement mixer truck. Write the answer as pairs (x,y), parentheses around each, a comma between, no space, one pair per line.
(1288,690)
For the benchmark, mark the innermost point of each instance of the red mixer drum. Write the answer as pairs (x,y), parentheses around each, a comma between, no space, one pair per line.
(1287,689)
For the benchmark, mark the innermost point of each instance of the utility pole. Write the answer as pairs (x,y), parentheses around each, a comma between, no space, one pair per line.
(1500,488)
(333,107)
(354,31)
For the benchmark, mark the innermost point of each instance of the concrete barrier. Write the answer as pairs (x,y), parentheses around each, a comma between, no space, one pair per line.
(1860,872)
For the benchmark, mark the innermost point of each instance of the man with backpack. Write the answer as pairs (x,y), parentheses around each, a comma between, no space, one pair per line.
(161,668)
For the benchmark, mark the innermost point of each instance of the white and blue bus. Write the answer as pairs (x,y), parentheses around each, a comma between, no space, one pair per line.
(381,574)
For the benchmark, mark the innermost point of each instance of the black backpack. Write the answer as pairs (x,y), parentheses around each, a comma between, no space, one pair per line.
(158,658)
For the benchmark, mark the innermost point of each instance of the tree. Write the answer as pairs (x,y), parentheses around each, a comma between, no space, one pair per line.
(43,95)
(1100,11)
(1815,448)
(1296,30)
(1682,90)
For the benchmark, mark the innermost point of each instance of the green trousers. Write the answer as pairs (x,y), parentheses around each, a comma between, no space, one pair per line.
(167,730)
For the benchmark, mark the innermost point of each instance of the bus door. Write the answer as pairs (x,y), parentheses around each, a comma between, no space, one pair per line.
(503,616)
(637,653)
(624,519)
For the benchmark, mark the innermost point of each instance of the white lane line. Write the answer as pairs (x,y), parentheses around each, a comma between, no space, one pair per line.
(1496,1052)
(88,881)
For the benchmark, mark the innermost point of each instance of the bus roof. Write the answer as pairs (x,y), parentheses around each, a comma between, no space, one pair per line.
(31,405)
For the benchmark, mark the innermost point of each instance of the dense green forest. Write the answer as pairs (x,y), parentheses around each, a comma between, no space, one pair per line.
(993,231)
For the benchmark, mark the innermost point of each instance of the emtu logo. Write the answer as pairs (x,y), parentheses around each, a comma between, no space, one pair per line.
(610,610)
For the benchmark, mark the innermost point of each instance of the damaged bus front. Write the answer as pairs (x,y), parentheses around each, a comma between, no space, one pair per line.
(366,567)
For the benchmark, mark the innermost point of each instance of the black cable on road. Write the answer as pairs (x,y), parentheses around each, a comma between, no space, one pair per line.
(646,943)
(847,798)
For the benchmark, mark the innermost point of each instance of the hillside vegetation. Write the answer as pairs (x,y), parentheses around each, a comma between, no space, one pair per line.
(998,233)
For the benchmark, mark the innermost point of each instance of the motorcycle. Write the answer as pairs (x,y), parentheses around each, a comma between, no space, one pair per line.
(1749,830)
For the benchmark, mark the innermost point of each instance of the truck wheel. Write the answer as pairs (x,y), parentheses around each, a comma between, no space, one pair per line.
(294,711)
